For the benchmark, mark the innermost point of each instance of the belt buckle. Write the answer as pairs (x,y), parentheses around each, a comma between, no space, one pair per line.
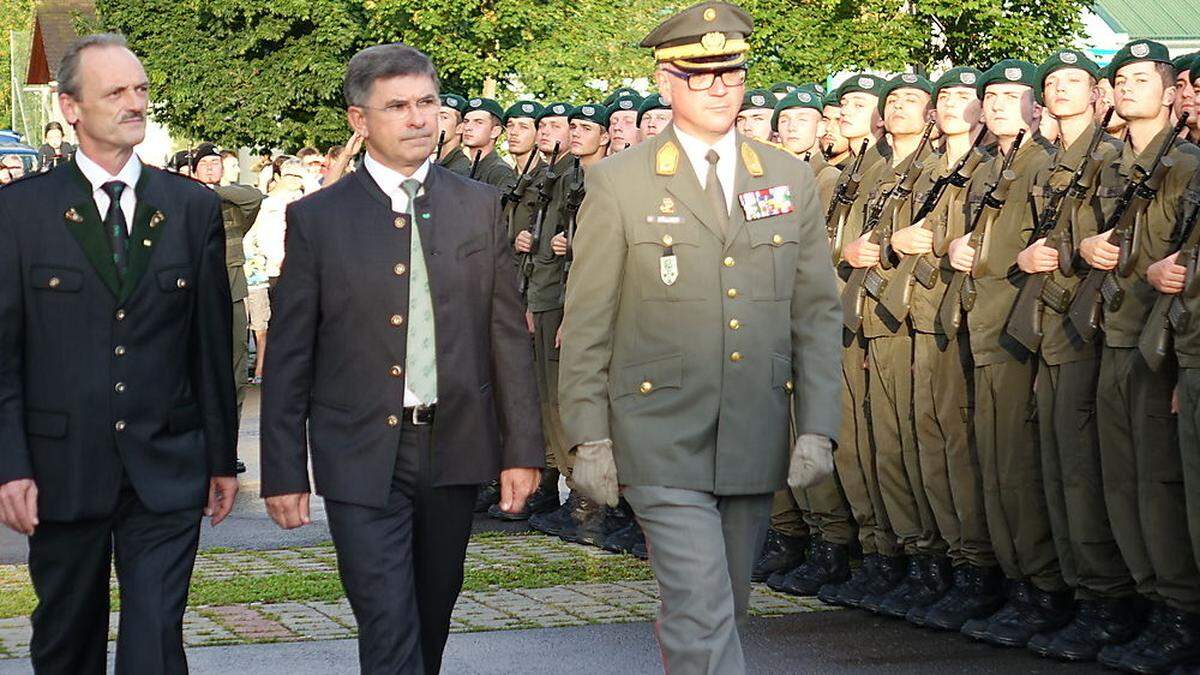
(416,415)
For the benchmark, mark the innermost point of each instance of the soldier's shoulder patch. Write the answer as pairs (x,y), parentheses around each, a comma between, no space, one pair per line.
(751,161)
(666,161)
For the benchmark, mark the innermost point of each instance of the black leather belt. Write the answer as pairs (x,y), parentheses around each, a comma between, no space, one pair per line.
(420,415)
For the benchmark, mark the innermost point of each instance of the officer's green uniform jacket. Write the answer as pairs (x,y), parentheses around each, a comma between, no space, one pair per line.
(239,209)
(1060,342)
(457,162)
(545,285)
(1187,342)
(494,171)
(690,375)
(1123,328)
(998,284)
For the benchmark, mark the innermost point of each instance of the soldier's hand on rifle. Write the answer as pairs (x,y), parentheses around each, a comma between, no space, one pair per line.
(1167,277)
(861,252)
(529,321)
(1038,257)
(913,240)
(524,242)
(1097,252)
(559,244)
(962,255)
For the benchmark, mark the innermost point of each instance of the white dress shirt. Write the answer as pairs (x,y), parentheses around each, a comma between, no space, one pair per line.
(97,177)
(389,181)
(726,147)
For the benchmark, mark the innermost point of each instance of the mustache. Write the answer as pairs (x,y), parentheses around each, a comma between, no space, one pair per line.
(416,136)
(132,117)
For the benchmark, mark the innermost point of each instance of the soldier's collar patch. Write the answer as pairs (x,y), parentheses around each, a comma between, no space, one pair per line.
(1140,50)
(73,216)
(750,159)
(666,162)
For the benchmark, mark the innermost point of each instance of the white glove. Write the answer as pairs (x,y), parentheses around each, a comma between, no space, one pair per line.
(812,461)
(595,472)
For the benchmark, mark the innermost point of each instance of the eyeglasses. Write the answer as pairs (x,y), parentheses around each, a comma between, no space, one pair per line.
(406,108)
(734,77)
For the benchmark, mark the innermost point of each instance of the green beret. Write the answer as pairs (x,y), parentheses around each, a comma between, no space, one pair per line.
(555,110)
(783,88)
(800,98)
(833,98)
(530,109)
(486,105)
(758,98)
(862,82)
(704,37)
(962,76)
(651,102)
(620,92)
(1138,50)
(1195,72)
(903,81)
(815,87)
(624,103)
(592,112)
(454,101)
(1184,63)
(1008,71)
(1061,60)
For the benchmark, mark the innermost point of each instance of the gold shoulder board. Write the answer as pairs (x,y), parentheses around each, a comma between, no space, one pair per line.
(667,161)
(750,159)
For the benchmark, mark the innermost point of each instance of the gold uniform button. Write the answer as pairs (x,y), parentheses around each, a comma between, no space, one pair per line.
(777,240)
(646,387)
(120,315)
(119,426)
(393,421)
(729,262)
(735,357)
(400,269)
(397,320)
(667,240)
(119,387)
(399,223)
(119,350)
(54,282)
(181,283)
(735,324)
(732,293)
(788,385)
(396,371)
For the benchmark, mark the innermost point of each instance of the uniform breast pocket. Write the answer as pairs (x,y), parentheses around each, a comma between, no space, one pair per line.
(55,279)
(774,245)
(176,281)
(668,261)
(474,245)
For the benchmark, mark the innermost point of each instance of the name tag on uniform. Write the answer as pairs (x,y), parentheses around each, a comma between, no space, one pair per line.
(773,201)
(668,266)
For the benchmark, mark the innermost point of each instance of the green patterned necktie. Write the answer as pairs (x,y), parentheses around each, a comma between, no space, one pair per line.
(421,356)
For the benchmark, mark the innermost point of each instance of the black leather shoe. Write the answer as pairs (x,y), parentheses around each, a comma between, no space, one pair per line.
(543,500)
(1097,624)
(849,593)
(779,554)
(557,521)
(976,594)
(626,539)
(1177,644)
(489,493)
(1039,612)
(890,571)
(827,564)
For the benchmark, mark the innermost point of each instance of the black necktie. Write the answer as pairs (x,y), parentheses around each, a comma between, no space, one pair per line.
(114,223)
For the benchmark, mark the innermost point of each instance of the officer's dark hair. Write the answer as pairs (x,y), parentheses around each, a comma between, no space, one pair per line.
(382,62)
(68,68)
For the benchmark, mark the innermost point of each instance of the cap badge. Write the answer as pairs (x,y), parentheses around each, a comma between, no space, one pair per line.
(713,41)
(1012,74)
(1140,50)
(967,78)
(626,104)
(559,110)
(1068,57)
(758,100)
(475,102)
(710,14)
(526,108)
(588,110)
(866,83)
(805,97)
(908,78)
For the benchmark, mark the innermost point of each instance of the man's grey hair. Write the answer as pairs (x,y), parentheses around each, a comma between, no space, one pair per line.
(382,62)
(68,68)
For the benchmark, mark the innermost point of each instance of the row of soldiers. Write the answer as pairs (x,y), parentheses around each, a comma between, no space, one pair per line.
(1017,247)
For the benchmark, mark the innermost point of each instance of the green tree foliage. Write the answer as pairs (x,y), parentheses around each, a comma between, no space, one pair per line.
(14,15)
(247,72)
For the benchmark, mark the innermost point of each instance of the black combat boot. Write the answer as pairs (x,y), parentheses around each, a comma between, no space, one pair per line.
(594,530)
(543,500)
(489,494)
(1097,624)
(977,593)
(900,599)
(1178,645)
(826,564)
(938,580)
(779,552)
(1148,634)
(558,521)
(850,593)
(1041,612)
(626,539)
(890,572)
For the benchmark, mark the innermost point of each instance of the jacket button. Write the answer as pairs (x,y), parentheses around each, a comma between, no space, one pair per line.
(119,350)
(54,282)
(181,283)
(119,387)
(119,426)
(734,324)
(400,269)
(396,371)
(729,262)
(393,421)
(646,387)
(732,293)
(399,223)
(120,315)
(735,357)
(397,320)
(667,240)
(788,386)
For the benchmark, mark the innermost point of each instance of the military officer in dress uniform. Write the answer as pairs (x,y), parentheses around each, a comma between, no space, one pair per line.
(450,129)
(482,125)
(700,299)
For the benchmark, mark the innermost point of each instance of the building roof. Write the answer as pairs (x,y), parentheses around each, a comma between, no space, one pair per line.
(1157,20)
(53,31)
